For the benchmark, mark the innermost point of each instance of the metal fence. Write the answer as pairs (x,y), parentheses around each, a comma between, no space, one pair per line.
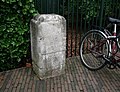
(80,15)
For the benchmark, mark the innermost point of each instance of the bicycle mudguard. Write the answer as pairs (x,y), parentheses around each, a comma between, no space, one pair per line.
(102,29)
(97,27)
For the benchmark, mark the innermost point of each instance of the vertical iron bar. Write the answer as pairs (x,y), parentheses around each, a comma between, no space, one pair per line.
(67,48)
(63,8)
(88,23)
(58,7)
(47,5)
(98,2)
(112,8)
(51,3)
(81,29)
(72,26)
(52,6)
(113,15)
(115,2)
(116,9)
(119,11)
(104,14)
(81,18)
(101,12)
(76,31)
(85,17)
(92,21)
(47,8)
(40,5)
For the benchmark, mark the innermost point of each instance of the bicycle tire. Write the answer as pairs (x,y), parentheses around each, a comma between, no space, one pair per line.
(90,56)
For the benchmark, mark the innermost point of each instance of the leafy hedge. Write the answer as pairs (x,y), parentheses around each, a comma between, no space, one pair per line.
(14,32)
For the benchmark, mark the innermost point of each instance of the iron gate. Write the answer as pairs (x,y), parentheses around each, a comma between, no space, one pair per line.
(80,15)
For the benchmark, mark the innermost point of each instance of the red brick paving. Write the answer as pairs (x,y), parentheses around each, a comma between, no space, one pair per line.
(76,79)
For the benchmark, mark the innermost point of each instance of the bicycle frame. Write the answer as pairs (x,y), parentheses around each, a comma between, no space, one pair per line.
(112,41)
(99,47)
(113,46)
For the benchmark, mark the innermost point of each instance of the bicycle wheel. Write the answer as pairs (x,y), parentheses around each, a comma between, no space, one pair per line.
(93,48)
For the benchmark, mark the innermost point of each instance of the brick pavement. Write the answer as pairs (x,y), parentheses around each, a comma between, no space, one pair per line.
(76,79)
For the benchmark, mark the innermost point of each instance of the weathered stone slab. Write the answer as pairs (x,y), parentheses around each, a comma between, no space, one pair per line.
(48,44)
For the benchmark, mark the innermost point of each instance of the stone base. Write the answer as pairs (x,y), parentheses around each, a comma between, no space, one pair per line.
(41,74)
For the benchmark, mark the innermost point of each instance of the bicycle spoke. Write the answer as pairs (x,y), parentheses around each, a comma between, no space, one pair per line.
(92,49)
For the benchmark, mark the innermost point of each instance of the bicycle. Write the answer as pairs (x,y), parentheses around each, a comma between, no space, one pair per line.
(99,47)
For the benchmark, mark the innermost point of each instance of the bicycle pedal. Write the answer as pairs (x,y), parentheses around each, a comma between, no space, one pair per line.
(111,66)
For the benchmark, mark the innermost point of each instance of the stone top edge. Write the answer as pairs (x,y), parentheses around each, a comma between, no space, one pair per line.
(47,17)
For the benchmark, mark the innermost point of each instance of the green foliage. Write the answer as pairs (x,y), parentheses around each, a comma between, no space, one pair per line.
(14,31)
(16,14)
(90,9)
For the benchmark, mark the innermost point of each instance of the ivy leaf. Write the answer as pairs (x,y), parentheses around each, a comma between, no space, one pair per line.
(20,3)
(30,0)
(10,30)
(3,0)
(2,27)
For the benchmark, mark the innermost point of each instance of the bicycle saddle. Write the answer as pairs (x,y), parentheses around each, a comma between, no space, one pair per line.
(113,20)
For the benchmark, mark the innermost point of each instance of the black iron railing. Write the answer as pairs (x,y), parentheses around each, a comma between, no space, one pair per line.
(80,15)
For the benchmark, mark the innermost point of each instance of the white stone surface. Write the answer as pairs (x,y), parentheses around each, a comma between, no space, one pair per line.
(48,45)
